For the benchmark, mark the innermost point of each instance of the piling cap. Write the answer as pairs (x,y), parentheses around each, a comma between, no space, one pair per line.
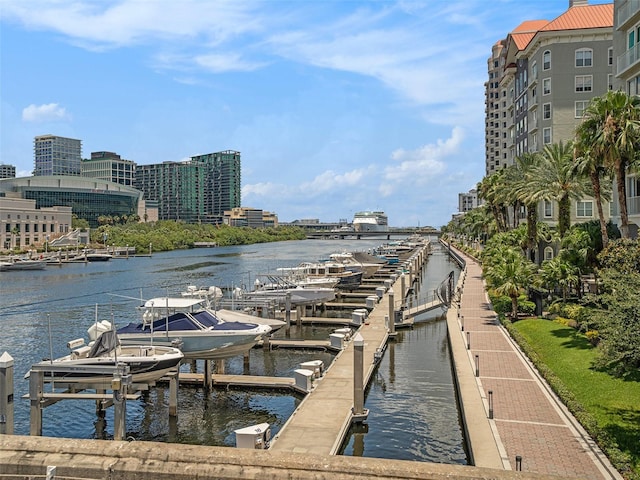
(358,340)
(6,360)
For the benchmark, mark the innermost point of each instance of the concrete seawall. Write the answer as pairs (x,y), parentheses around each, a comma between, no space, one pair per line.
(28,457)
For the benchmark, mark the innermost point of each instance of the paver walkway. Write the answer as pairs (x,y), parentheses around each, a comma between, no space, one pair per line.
(528,419)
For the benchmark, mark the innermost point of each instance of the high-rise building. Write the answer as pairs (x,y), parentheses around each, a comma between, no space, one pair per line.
(222,188)
(541,78)
(109,166)
(176,187)
(57,156)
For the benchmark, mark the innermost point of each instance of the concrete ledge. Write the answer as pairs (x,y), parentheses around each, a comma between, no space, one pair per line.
(23,456)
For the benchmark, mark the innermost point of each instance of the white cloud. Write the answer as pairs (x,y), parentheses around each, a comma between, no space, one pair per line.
(420,166)
(331,181)
(44,113)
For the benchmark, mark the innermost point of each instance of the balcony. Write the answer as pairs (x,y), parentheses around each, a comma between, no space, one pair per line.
(628,58)
(627,12)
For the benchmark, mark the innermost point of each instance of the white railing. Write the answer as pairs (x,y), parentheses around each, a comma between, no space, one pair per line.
(628,58)
(627,11)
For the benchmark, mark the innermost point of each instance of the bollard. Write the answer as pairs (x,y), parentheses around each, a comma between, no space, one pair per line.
(477,366)
(462,322)
(490,404)
(392,310)
(6,394)
(518,463)
(468,340)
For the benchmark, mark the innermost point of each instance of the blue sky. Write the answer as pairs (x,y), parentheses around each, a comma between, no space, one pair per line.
(336,106)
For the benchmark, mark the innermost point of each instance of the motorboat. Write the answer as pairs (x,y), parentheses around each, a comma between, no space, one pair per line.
(329,274)
(365,263)
(146,363)
(279,288)
(17,263)
(212,295)
(202,333)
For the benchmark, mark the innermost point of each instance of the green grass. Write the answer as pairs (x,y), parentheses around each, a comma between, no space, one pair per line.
(608,407)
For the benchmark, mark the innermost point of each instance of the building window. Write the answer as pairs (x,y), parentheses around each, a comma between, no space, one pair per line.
(581,105)
(534,71)
(546,135)
(584,209)
(546,111)
(548,253)
(610,63)
(610,81)
(584,57)
(546,60)
(548,209)
(546,86)
(584,83)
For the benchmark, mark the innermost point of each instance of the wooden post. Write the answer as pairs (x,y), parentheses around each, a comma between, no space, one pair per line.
(392,313)
(173,393)
(6,394)
(119,385)
(245,362)
(207,379)
(36,386)
(359,413)
(403,289)
(287,314)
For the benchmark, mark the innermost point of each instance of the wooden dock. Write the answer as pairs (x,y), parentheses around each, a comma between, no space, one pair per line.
(251,381)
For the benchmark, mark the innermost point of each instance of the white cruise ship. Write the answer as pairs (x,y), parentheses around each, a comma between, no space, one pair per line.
(369,221)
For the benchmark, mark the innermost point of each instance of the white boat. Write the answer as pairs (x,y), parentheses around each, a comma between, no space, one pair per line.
(327,274)
(147,363)
(370,221)
(279,288)
(201,332)
(213,294)
(351,261)
(16,263)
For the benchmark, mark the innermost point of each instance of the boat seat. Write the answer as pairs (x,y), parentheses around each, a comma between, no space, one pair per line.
(80,352)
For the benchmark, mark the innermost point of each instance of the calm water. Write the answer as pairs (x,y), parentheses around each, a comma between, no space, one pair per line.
(413,413)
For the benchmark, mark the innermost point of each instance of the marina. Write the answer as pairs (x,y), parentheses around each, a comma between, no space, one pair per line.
(232,365)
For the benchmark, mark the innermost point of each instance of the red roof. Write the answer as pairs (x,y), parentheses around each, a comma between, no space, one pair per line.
(583,16)
(524,32)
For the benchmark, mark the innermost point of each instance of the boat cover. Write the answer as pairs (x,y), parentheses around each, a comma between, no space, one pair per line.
(180,322)
(104,344)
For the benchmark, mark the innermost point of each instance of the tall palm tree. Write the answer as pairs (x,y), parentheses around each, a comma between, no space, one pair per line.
(553,177)
(491,190)
(613,131)
(520,175)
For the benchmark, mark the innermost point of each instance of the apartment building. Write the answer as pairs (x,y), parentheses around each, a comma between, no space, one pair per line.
(626,46)
(468,201)
(250,217)
(109,166)
(541,78)
(55,155)
(222,186)
(7,171)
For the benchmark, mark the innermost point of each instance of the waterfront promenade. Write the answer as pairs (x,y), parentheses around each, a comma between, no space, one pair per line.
(529,421)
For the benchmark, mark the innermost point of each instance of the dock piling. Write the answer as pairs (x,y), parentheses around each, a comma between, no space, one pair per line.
(6,395)
(36,387)
(359,412)
(173,393)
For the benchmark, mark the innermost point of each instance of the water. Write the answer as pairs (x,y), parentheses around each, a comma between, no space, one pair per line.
(412,405)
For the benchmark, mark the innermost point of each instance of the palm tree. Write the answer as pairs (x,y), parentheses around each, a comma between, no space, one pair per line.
(613,133)
(553,177)
(508,273)
(520,175)
(491,189)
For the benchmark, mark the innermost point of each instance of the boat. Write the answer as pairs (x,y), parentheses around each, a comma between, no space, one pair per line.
(16,263)
(370,221)
(328,274)
(212,295)
(359,262)
(278,288)
(201,332)
(146,363)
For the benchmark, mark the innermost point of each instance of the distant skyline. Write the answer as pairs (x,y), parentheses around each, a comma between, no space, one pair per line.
(336,106)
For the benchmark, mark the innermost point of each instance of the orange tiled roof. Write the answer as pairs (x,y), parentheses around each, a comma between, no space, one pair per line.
(524,32)
(583,16)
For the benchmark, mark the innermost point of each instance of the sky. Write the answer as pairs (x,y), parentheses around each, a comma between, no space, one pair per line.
(337,106)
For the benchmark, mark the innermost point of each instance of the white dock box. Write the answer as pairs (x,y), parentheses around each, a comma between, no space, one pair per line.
(256,437)
(337,340)
(380,291)
(388,284)
(303,378)
(363,311)
(371,301)
(357,318)
(316,366)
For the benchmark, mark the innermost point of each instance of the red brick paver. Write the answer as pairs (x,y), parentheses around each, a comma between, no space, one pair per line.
(528,420)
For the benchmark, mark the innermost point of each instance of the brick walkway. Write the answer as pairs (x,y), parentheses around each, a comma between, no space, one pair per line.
(528,420)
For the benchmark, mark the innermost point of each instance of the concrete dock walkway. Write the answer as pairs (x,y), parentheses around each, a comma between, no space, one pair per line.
(529,421)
